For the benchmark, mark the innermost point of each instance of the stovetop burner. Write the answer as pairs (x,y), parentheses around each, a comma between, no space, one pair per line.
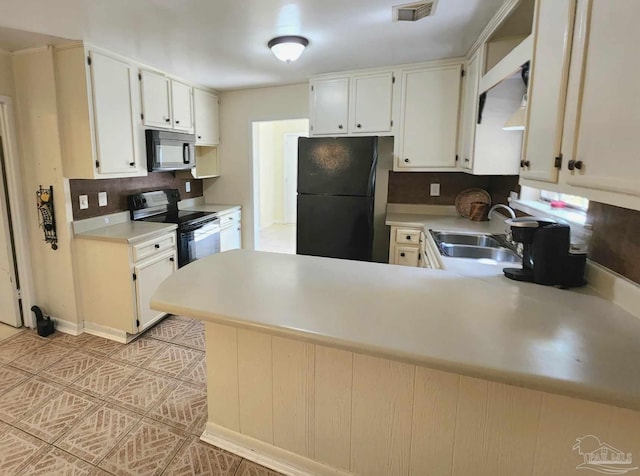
(179,217)
(161,206)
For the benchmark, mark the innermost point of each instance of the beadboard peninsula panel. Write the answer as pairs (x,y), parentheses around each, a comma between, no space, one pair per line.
(341,412)
(118,188)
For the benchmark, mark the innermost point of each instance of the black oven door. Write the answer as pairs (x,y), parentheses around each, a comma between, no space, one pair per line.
(198,241)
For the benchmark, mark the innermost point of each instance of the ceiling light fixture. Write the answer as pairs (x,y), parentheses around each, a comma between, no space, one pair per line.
(288,48)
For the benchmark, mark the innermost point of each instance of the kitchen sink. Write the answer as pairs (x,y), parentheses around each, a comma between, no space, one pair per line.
(479,252)
(466,239)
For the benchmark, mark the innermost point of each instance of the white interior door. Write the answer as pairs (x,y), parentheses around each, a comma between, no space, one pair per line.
(10,313)
(291,175)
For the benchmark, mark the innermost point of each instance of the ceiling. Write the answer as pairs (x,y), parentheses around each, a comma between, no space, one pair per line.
(222,43)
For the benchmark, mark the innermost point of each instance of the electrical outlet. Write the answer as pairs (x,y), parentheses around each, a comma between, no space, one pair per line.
(102,199)
(434,190)
(84,202)
(187,187)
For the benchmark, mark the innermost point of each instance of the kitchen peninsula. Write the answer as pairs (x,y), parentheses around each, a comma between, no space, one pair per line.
(324,366)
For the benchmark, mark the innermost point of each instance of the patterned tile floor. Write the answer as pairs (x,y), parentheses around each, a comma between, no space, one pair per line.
(87,405)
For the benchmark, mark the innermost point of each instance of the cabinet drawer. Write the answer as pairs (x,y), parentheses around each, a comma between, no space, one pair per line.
(149,248)
(407,256)
(230,219)
(407,235)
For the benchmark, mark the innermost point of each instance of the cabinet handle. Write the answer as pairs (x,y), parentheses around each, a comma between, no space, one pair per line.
(575,164)
(238,228)
(359,126)
(466,160)
(132,164)
(525,163)
(199,137)
(408,237)
(172,259)
(407,160)
(177,122)
(156,246)
(402,254)
(339,126)
(167,119)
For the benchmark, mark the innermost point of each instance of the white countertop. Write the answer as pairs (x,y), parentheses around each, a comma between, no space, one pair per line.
(563,341)
(220,209)
(126,232)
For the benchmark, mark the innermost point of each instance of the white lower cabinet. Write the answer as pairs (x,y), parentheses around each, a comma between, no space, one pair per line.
(405,246)
(407,255)
(230,231)
(116,281)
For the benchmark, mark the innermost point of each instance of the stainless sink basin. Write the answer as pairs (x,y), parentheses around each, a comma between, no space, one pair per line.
(479,252)
(466,239)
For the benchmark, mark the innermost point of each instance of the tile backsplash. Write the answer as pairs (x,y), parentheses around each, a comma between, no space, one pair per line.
(118,189)
(615,240)
(413,187)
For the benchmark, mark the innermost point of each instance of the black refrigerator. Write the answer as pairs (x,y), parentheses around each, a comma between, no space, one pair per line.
(336,189)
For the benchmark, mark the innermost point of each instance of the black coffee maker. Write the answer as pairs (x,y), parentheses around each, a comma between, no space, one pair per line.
(546,257)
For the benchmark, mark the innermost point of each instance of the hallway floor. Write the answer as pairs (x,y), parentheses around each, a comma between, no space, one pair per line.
(87,405)
(278,238)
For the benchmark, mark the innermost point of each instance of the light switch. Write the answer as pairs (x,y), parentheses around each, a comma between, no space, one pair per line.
(102,199)
(84,202)
(187,187)
(434,189)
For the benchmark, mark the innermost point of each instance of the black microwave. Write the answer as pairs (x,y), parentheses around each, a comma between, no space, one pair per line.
(168,150)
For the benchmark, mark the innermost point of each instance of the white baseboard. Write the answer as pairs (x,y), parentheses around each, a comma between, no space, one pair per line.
(265,454)
(614,287)
(108,333)
(66,327)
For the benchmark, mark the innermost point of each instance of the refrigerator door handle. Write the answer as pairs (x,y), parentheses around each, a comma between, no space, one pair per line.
(372,178)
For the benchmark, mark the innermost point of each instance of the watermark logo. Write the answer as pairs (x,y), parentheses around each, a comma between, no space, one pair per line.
(602,457)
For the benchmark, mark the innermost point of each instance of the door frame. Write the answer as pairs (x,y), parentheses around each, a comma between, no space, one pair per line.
(19,211)
(289,201)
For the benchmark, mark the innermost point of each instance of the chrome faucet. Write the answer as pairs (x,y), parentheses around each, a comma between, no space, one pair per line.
(500,205)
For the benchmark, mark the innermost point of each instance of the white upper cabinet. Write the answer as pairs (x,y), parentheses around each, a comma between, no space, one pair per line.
(156,99)
(182,106)
(371,103)
(547,90)
(330,106)
(469,111)
(97,105)
(429,118)
(206,111)
(601,132)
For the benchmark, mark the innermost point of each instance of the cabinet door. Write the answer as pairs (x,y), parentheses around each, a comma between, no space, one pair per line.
(182,106)
(156,99)
(547,89)
(429,128)
(149,275)
(330,106)
(112,94)
(407,256)
(230,238)
(606,139)
(371,103)
(470,111)
(206,117)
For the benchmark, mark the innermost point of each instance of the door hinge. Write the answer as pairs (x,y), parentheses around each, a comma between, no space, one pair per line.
(462,73)
(311,128)
(393,80)
(391,122)
(89,60)
(137,322)
(312,88)
(457,157)
(142,116)
(139,76)
(558,162)
(97,164)
(135,276)
(419,256)
(18,294)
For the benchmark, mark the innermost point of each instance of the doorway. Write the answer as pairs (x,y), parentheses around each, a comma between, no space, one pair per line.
(275,183)
(15,263)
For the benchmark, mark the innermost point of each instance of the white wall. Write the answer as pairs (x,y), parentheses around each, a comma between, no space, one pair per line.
(238,110)
(271,135)
(36,111)
(7,87)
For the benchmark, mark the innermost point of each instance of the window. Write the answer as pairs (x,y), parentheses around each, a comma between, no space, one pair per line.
(572,201)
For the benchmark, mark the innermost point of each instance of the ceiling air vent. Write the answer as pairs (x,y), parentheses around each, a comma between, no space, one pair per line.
(414,11)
